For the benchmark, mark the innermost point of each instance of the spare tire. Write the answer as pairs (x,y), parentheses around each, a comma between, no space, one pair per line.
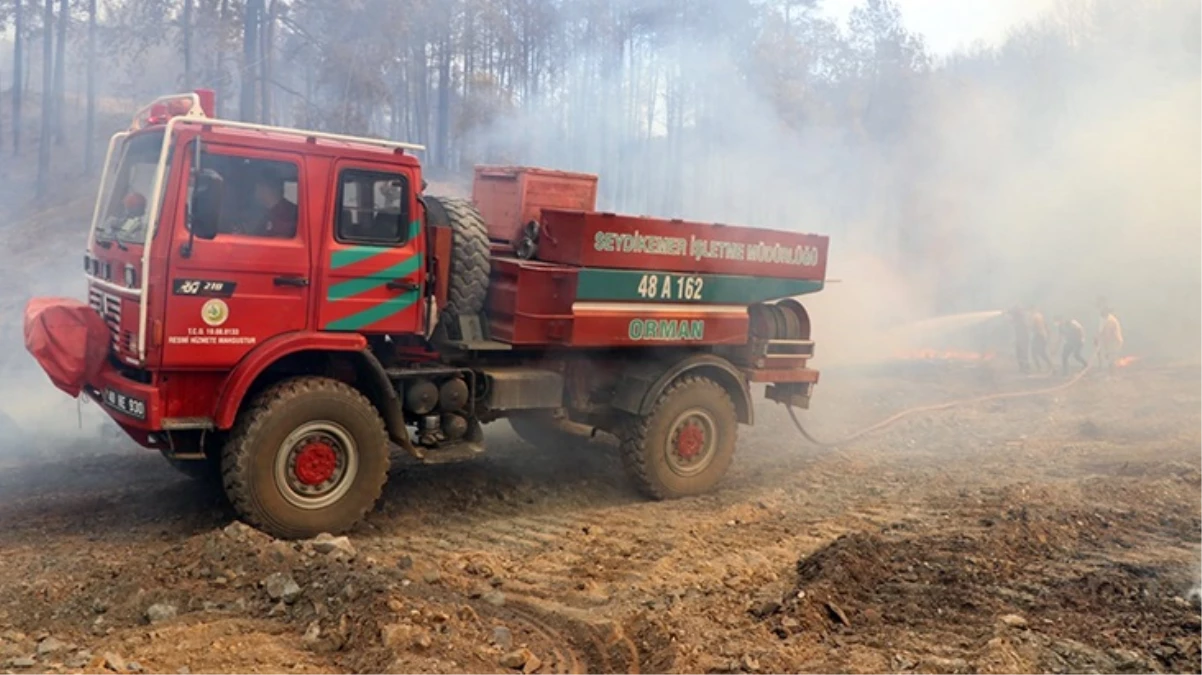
(469,271)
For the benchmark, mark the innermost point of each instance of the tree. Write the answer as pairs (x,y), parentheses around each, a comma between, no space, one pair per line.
(266,38)
(889,58)
(221,79)
(186,29)
(47,98)
(18,72)
(89,147)
(250,58)
(60,69)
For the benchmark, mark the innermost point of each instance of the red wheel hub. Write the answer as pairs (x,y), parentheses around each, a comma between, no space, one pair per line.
(316,463)
(690,441)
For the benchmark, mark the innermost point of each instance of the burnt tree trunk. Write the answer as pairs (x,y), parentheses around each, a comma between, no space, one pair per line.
(47,97)
(89,148)
(60,70)
(266,25)
(18,74)
(250,54)
(421,81)
(186,28)
(223,92)
(442,144)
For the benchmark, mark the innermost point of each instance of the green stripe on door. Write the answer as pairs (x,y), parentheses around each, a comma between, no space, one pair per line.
(352,287)
(647,286)
(353,254)
(349,256)
(375,313)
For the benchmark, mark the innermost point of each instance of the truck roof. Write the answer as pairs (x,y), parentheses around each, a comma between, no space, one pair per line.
(300,140)
(196,109)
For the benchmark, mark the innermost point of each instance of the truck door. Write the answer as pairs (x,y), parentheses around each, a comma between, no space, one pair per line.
(251,282)
(374,269)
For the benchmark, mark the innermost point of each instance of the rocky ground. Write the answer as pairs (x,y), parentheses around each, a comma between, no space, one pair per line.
(1057,533)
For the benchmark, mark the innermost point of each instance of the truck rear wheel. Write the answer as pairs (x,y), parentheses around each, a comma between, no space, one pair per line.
(685,444)
(309,455)
(467,286)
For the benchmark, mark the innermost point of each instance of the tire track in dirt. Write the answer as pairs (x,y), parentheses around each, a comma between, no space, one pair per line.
(566,640)
(613,560)
(593,577)
(606,646)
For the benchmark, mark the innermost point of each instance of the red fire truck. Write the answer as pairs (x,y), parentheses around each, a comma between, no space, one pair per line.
(278,308)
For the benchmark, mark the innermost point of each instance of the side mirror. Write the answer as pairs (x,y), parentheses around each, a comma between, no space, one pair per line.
(208,192)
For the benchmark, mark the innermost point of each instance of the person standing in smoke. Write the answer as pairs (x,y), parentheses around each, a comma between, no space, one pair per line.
(1109,340)
(1022,338)
(1072,336)
(1039,342)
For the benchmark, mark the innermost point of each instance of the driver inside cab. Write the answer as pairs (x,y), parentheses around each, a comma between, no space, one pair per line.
(133,211)
(279,215)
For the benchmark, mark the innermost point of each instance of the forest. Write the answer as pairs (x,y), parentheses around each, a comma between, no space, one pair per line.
(985,165)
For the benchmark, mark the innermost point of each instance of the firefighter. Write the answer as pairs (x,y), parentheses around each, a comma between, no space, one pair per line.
(1109,341)
(1072,336)
(1039,342)
(1022,338)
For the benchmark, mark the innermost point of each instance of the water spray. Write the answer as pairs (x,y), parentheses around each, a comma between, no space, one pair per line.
(937,407)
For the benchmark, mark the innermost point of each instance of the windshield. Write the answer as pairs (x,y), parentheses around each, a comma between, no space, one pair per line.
(126,205)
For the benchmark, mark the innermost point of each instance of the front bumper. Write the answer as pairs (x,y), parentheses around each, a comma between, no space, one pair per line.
(135,406)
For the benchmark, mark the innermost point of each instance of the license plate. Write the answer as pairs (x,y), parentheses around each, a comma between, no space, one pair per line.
(125,404)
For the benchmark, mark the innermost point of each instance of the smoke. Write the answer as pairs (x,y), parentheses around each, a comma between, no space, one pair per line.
(41,258)
(1105,204)
(734,161)
(33,412)
(1058,171)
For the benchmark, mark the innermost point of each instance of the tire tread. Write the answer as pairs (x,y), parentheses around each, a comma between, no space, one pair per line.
(467,289)
(634,431)
(239,450)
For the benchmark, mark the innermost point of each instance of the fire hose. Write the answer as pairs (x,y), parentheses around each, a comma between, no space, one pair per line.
(939,406)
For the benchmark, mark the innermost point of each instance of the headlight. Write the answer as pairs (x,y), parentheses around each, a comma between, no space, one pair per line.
(131,276)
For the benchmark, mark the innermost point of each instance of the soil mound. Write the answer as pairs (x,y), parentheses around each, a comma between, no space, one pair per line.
(1015,593)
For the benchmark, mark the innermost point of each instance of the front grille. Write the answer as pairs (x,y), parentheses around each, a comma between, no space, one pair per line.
(109,307)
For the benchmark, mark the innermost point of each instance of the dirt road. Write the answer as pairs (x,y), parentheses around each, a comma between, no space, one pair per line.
(1057,533)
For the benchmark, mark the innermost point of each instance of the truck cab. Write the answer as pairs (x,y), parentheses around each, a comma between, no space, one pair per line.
(275,308)
(296,233)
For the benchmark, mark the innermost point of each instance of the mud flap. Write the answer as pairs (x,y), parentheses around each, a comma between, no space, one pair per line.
(796,394)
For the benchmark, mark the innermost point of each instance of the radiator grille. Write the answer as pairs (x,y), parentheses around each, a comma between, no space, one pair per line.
(109,307)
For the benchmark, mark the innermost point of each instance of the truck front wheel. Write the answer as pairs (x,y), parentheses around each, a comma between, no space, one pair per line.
(309,455)
(685,444)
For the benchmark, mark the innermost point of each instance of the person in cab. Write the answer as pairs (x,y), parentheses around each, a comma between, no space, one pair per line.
(279,216)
